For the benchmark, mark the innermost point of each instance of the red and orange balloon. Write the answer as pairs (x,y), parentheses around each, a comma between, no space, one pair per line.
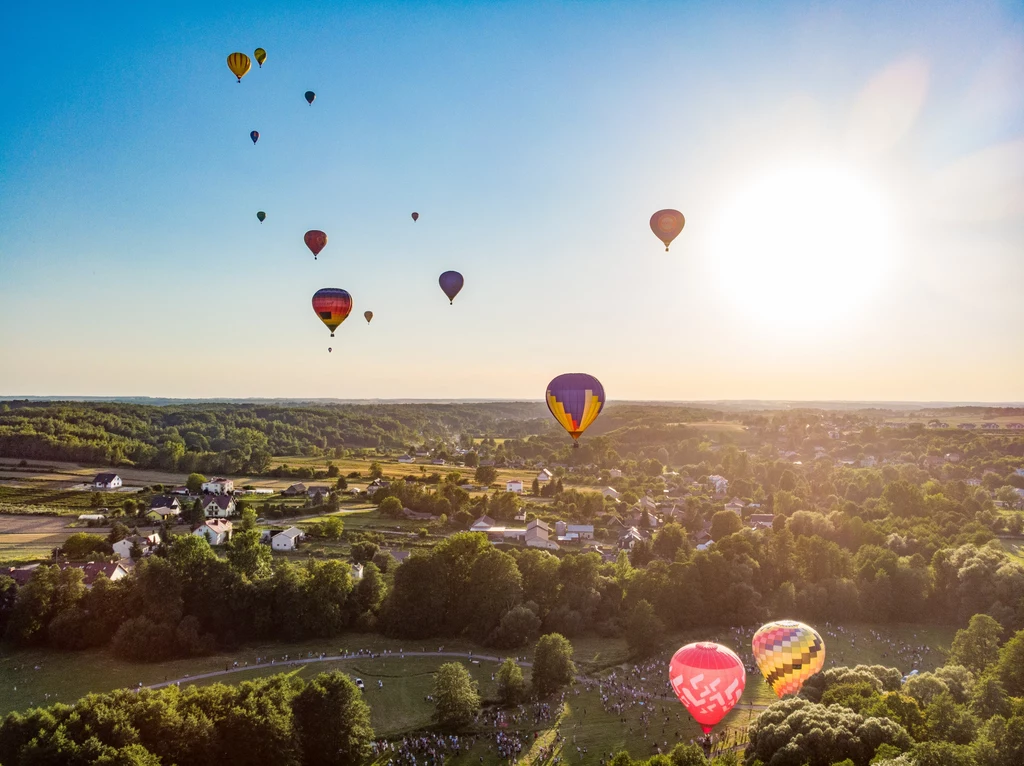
(316,241)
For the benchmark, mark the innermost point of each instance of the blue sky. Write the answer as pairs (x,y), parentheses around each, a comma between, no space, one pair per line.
(535,140)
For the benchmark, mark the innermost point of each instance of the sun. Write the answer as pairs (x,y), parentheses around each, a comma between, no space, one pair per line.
(802,246)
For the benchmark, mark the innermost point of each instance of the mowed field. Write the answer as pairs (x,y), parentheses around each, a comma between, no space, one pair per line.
(37,677)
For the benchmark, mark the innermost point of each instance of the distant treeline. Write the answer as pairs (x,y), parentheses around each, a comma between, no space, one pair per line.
(234,438)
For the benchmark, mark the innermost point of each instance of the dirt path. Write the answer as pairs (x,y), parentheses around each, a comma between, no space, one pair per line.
(332,658)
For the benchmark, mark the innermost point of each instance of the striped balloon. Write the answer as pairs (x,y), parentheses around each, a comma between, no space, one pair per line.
(239,64)
(332,305)
(788,653)
(575,399)
(708,679)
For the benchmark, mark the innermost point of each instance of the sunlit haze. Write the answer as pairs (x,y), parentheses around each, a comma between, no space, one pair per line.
(852,176)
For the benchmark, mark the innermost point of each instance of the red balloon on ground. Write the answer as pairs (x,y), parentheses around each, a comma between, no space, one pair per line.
(708,679)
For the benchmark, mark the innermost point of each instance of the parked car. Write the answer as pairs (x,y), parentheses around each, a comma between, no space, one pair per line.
(359,683)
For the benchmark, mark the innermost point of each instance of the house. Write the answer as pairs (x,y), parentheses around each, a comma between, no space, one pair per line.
(545,475)
(582,531)
(406,459)
(952,457)
(704,546)
(20,575)
(933,461)
(719,483)
(990,426)
(216,531)
(376,484)
(537,533)
(520,515)
(123,548)
(647,504)
(868,462)
(357,571)
(967,426)
(482,524)
(630,539)
(736,506)
(180,491)
(1019,471)
(220,506)
(163,507)
(107,481)
(761,521)
(295,490)
(702,537)
(1016,426)
(973,482)
(318,493)
(438,461)
(287,540)
(610,492)
(219,486)
(615,473)
(514,485)
(92,571)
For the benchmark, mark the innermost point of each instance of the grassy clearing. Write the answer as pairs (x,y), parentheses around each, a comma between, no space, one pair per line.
(1013,546)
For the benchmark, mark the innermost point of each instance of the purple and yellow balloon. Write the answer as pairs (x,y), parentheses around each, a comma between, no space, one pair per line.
(667,225)
(575,399)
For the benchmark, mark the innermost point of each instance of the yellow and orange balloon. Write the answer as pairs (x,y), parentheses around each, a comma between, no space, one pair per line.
(239,65)
(788,653)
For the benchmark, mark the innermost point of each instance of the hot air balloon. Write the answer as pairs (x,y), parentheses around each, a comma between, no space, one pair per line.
(260,55)
(575,399)
(262,216)
(415,216)
(666,225)
(329,349)
(708,679)
(368,315)
(310,97)
(332,305)
(315,240)
(255,136)
(451,283)
(788,653)
(239,64)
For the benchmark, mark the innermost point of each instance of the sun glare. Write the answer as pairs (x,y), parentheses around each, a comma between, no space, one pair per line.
(803,246)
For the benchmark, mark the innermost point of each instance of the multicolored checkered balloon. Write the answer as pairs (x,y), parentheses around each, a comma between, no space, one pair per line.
(788,653)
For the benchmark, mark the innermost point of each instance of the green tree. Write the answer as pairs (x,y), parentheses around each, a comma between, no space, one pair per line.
(553,667)
(1010,666)
(376,470)
(644,630)
(195,482)
(364,551)
(668,540)
(83,545)
(687,755)
(196,515)
(723,524)
(370,590)
(332,721)
(511,686)
(248,556)
(976,646)
(249,518)
(485,474)
(391,507)
(456,701)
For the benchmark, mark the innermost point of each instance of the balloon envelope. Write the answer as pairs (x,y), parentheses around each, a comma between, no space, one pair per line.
(575,399)
(260,55)
(315,240)
(368,315)
(451,283)
(788,653)
(255,136)
(708,679)
(415,216)
(239,64)
(262,216)
(310,97)
(666,225)
(332,305)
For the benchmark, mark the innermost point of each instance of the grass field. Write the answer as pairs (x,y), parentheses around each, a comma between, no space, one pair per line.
(1013,546)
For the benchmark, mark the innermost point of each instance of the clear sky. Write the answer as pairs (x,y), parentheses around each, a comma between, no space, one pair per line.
(852,176)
